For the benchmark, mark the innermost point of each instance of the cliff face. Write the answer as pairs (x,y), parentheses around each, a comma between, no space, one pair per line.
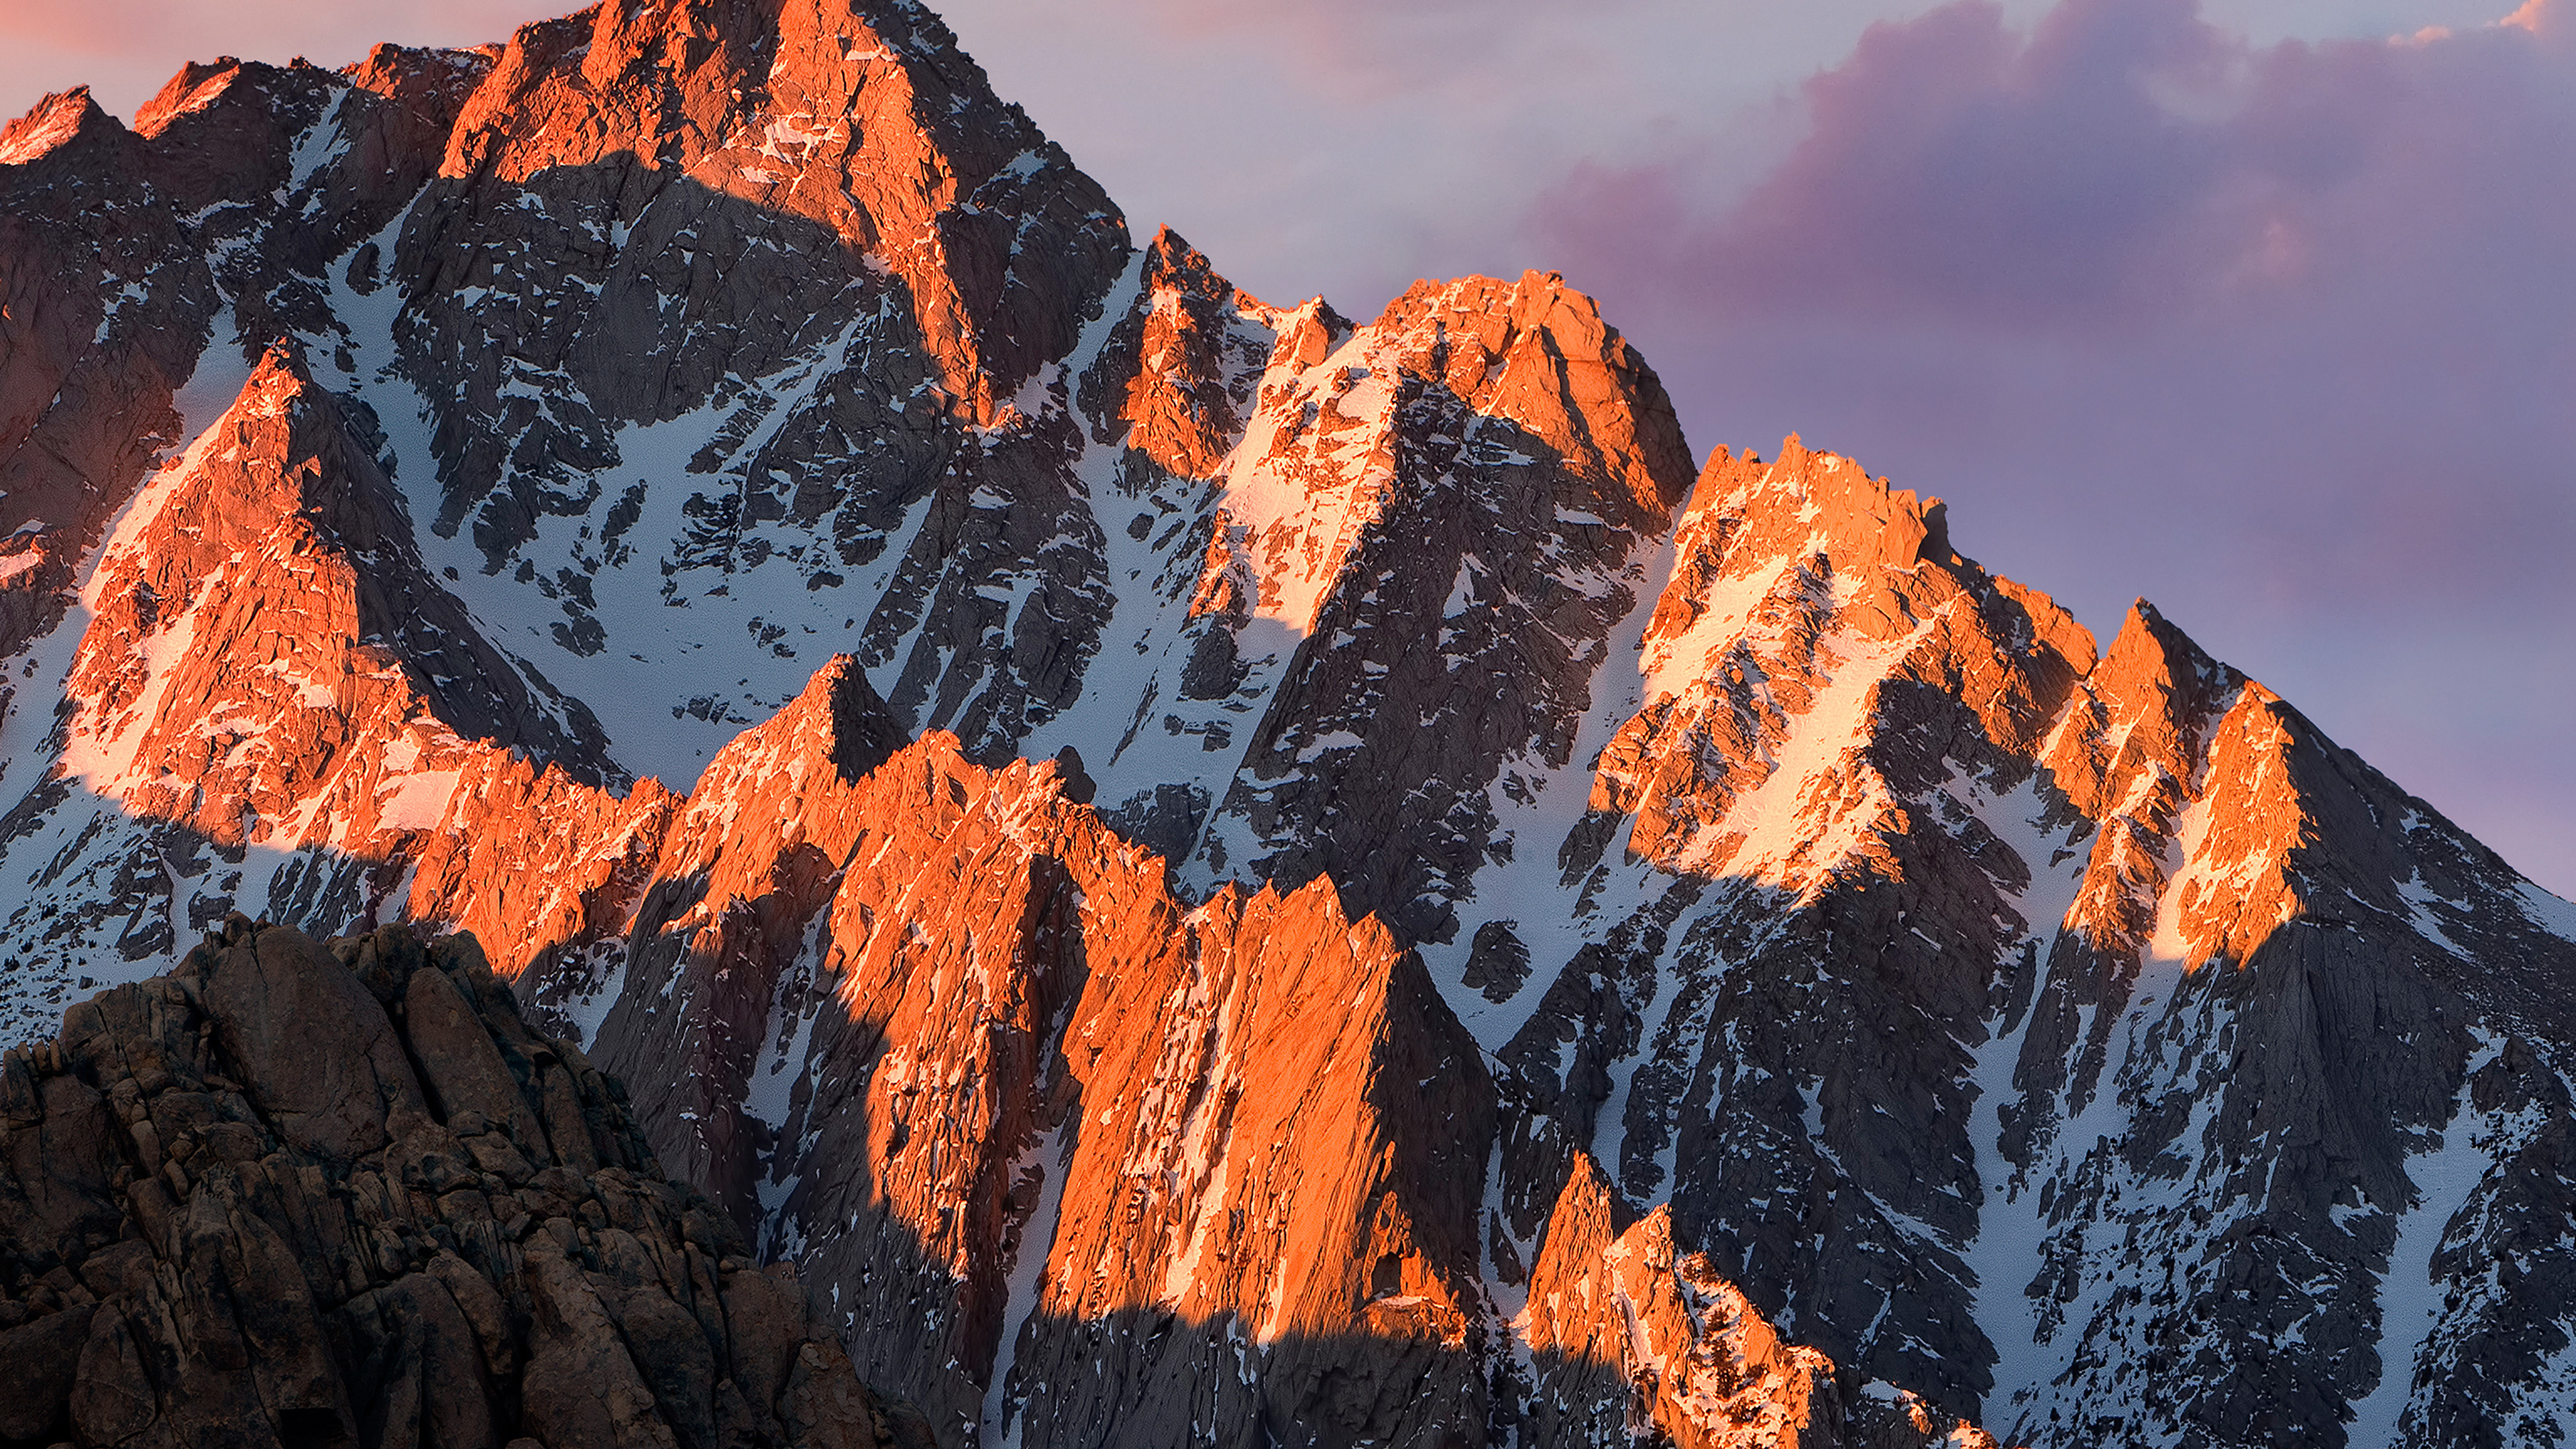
(955,1048)
(1500,935)
(1627,1332)
(284,1195)
(271,702)
(1083,1164)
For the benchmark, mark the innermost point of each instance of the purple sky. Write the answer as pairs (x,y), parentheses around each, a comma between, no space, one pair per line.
(2266,311)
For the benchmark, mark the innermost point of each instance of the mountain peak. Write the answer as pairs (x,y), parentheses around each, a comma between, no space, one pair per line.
(261,612)
(1810,501)
(54,122)
(838,717)
(199,85)
(282,379)
(1174,377)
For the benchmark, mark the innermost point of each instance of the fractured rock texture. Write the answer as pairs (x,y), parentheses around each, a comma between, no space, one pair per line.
(1149,1174)
(1610,1310)
(987,1076)
(296,1196)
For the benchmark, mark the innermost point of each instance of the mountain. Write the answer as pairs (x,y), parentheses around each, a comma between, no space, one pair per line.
(1261,874)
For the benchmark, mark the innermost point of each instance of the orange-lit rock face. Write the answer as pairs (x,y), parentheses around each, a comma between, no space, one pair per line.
(1429,531)
(541,865)
(1343,414)
(954,1047)
(267,660)
(850,141)
(1279,1148)
(1804,589)
(1627,1333)
(123,252)
(1621,1306)
(268,666)
(1184,362)
(102,307)
(1904,860)
(958,1049)
(244,672)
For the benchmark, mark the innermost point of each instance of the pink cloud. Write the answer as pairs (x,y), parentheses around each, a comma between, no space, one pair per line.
(124,49)
(2124,161)
(2284,336)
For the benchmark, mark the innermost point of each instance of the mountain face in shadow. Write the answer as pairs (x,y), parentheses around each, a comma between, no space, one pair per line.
(1260,873)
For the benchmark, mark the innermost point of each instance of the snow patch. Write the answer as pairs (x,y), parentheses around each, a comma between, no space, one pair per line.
(2548,912)
(2410,1302)
(418,801)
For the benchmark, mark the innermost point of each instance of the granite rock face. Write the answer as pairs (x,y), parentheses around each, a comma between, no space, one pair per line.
(273,699)
(955,1047)
(297,1195)
(1626,1331)
(1149,1174)
(134,262)
(2086,1045)
(1259,873)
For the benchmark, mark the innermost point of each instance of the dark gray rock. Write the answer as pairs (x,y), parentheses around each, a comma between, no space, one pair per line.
(301,1246)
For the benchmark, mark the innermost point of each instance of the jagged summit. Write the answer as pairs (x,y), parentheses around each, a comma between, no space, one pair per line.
(1509,932)
(52,123)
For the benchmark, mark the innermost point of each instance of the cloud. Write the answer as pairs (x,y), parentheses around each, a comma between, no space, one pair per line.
(2123,161)
(125,49)
(1348,148)
(2283,335)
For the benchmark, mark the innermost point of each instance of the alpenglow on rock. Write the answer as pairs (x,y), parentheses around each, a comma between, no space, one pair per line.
(1264,875)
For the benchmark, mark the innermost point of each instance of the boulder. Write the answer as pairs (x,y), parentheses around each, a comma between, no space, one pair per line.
(245,1203)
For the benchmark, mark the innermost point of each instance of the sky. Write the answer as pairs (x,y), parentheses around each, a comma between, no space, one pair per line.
(2262,309)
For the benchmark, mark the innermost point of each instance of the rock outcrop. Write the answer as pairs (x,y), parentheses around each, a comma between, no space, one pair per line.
(1624,1331)
(290,1195)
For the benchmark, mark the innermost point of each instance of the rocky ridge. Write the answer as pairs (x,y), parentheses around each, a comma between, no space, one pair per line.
(1145,1173)
(284,1195)
(2084,1043)
(272,700)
